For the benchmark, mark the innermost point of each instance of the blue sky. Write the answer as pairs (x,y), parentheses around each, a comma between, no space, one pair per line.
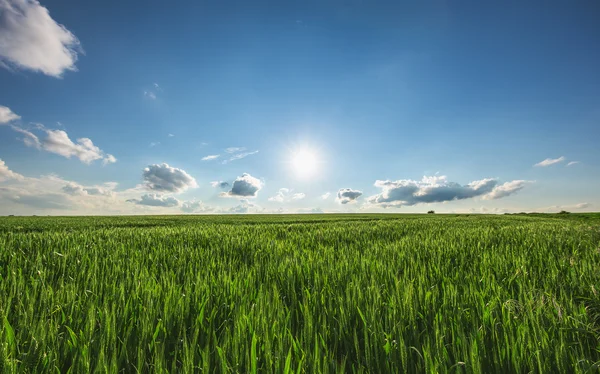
(384,106)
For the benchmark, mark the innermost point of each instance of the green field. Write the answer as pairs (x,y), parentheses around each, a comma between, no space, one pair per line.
(300,293)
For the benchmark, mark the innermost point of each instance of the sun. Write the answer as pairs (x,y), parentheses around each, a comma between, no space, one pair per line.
(304,162)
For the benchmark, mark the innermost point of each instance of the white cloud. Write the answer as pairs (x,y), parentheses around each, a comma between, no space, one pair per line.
(558,208)
(57,141)
(171,135)
(150,95)
(154,144)
(239,156)
(571,163)
(6,173)
(219,184)
(438,189)
(235,149)
(550,161)
(195,207)
(244,186)
(506,189)
(156,200)
(284,195)
(246,207)
(30,39)
(164,178)
(7,115)
(30,139)
(325,196)
(109,159)
(348,195)
(210,157)
(73,188)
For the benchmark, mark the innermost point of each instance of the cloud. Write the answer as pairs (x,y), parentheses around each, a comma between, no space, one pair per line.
(284,195)
(58,142)
(154,144)
(195,207)
(235,149)
(325,196)
(239,156)
(558,208)
(170,135)
(30,139)
(438,189)
(245,207)
(571,163)
(219,184)
(348,195)
(244,186)
(164,178)
(550,161)
(156,200)
(30,39)
(109,159)
(6,173)
(506,189)
(73,188)
(210,157)
(7,115)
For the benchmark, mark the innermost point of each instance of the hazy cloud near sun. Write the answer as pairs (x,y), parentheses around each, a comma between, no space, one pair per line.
(550,161)
(7,115)
(164,178)
(285,195)
(438,189)
(30,39)
(348,195)
(244,186)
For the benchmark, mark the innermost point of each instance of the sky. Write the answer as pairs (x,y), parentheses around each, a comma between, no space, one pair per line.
(211,107)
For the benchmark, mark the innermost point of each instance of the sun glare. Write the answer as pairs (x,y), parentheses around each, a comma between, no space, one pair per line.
(304,162)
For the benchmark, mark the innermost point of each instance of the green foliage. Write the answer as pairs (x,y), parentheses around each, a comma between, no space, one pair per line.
(300,294)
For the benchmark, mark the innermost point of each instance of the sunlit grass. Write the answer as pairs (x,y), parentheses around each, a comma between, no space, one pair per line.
(358,293)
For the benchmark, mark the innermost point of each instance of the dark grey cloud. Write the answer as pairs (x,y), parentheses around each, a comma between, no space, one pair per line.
(156,200)
(164,178)
(348,195)
(244,186)
(438,189)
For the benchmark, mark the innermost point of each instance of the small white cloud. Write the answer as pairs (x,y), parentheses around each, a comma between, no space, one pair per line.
(284,195)
(219,184)
(154,144)
(298,196)
(571,163)
(235,149)
(506,189)
(7,115)
(171,135)
(164,178)
(239,156)
(109,159)
(156,200)
(326,195)
(149,94)
(550,161)
(244,186)
(30,39)
(58,142)
(348,195)
(210,157)
(73,188)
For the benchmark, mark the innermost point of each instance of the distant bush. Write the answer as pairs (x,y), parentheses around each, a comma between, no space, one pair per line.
(563,212)
(431,212)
